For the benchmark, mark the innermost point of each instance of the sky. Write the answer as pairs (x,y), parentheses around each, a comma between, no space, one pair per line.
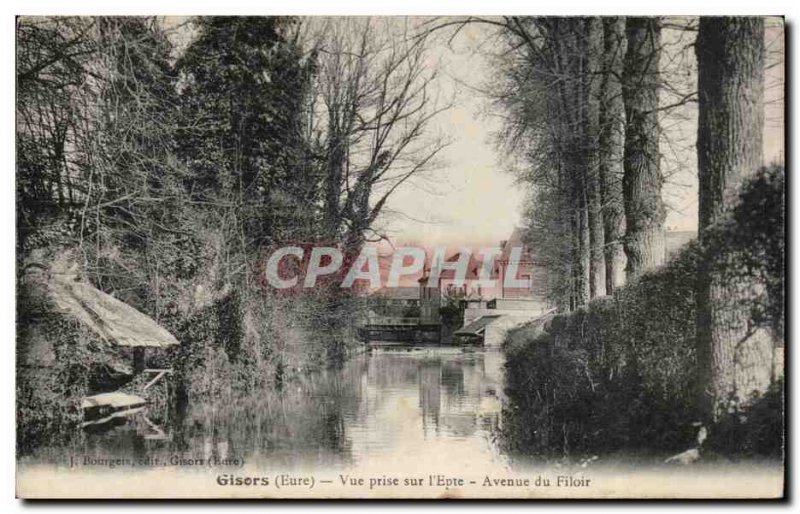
(471,199)
(474,200)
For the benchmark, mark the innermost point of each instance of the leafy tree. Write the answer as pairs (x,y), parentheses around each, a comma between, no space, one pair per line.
(244,85)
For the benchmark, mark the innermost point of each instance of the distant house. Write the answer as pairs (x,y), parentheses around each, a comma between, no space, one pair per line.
(397,296)
(395,302)
(486,314)
(447,277)
(529,270)
(529,290)
(432,295)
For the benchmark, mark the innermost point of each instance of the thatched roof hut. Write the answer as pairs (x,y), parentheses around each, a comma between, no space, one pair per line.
(111,319)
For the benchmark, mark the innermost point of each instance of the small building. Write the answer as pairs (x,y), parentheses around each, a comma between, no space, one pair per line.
(112,320)
(397,296)
(119,324)
(516,256)
(446,290)
(116,334)
(395,303)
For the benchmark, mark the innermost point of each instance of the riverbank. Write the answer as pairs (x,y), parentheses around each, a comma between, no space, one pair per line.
(621,373)
(233,339)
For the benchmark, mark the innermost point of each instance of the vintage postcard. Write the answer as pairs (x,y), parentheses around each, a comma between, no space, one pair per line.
(526,257)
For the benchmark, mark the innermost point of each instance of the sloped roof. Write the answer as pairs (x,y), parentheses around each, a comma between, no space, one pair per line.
(477,327)
(111,319)
(514,241)
(473,269)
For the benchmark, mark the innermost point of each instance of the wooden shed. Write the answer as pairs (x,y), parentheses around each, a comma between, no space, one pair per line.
(117,323)
(110,319)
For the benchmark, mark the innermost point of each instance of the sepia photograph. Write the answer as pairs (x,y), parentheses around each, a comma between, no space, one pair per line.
(400,257)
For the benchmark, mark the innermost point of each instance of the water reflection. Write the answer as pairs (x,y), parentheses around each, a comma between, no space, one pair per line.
(389,407)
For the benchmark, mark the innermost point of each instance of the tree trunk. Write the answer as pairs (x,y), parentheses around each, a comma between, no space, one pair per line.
(568,58)
(573,59)
(563,229)
(612,145)
(581,256)
(642,180)
(333,185)
(593,34)
(734,357)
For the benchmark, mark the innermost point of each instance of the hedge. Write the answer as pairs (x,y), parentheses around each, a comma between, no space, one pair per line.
(619,373)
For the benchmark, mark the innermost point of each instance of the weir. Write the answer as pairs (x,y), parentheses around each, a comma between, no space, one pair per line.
(400,333)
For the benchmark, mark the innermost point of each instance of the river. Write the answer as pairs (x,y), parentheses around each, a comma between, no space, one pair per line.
(421,408)
(419,416)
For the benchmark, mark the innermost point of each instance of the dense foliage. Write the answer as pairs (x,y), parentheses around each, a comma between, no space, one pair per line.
(163,157)
(621,373)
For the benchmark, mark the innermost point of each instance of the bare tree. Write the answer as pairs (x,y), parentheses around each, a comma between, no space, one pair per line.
(377,100)
(553,100)
(54,99)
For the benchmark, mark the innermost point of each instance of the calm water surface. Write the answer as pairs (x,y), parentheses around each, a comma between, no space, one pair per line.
(391,408)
